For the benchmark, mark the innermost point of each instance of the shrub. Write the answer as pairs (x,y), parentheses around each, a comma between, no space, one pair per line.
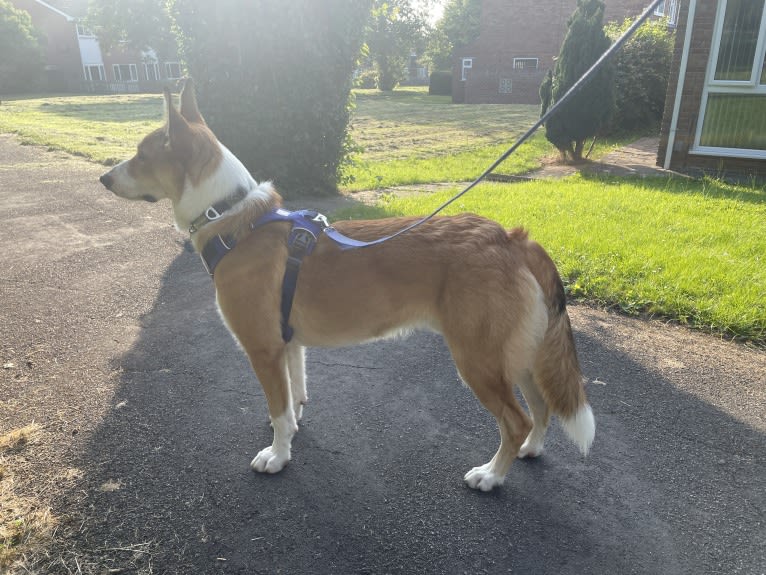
(274,81)
(367,80)
(641,76)
(589,111)
(440,83)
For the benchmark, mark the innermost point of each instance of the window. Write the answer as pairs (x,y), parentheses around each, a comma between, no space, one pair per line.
(733,109)
(669,10)
(83,31)
(172,70)
(506,86)
(467,65)
(525,63)
(152,71)
(125,72)
(94,73)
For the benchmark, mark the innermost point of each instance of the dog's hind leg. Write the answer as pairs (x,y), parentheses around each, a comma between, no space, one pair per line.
(538,409)
(496,394)
(296,366)
(271,368)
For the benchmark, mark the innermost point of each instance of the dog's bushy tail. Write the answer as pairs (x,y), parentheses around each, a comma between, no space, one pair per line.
(557,369)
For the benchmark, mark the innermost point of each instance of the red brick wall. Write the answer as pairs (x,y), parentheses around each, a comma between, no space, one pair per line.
(520,29)
(691,99)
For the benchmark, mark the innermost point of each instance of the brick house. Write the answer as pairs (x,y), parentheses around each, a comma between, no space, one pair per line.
(74,61)
(517,43)
(715,111)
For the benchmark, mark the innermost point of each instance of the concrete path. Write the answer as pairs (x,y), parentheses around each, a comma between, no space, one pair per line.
(147,416)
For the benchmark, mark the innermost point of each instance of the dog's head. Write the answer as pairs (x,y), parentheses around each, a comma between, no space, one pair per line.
(184,150)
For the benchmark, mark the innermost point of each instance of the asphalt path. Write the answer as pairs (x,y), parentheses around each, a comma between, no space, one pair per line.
(151,415)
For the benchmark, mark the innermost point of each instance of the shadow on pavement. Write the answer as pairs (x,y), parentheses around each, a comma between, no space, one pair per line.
(375,485)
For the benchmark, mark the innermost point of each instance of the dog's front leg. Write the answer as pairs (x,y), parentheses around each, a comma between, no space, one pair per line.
(296,366)
(271,369)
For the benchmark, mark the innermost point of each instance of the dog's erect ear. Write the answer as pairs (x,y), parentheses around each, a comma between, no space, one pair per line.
(176,127)
(189,109)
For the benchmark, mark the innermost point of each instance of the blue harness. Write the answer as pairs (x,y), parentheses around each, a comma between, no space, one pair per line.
(307,227)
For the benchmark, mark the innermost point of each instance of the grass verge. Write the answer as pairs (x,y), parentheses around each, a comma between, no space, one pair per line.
(686,250)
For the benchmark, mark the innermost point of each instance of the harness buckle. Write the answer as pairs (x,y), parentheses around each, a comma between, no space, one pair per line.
(212,214)
(301,241)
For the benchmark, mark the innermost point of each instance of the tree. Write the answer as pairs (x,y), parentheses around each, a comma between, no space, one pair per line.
(274,80)
(458,27)
(642,70)
(395,29)
(590,110)
(21,64)
(142,24)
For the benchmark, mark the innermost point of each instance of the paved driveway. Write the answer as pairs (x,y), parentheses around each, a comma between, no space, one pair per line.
(149,416)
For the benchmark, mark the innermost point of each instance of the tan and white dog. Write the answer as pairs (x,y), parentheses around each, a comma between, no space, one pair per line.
(494,295)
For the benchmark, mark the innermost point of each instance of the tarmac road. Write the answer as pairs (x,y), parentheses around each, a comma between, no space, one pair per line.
(151,415)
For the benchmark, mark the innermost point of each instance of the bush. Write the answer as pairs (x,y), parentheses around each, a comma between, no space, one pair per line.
(641,77)
(367,80)
(440,84)
(274,82)
(588,112)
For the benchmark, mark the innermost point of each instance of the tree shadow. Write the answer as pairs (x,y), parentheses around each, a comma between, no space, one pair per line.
(375,484)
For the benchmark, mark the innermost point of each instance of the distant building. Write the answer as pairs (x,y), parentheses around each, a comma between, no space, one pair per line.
(75,62)
(517,44)
(715,110)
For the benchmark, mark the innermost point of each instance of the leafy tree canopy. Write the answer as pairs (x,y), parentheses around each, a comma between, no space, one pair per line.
(458,27)
(396,29)
(21,63)
(142,24)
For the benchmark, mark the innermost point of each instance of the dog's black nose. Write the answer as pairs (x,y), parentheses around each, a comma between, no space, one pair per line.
(106,179)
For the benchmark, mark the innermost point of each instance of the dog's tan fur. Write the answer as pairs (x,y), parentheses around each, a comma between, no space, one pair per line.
(495,296)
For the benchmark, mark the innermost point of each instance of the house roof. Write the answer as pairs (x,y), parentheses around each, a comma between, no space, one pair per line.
(70,9)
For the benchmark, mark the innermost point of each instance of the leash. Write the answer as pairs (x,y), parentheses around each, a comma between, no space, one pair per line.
(347,243)
(308,225)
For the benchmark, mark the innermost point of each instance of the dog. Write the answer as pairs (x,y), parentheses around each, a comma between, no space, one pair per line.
(494,295)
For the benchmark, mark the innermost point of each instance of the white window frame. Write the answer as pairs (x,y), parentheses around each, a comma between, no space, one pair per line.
(520,63)
(505,86)
(668,9)
(89,77)
(156,67)
(167,70)
(84,32)
(466,64)
(730,87)
(133,70)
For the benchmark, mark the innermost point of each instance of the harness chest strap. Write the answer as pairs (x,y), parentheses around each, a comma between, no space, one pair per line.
(307,225)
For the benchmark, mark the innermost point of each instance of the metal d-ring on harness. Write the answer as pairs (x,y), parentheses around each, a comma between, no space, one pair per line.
(309,225)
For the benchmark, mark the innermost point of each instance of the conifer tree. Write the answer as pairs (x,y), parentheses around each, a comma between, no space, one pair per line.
(586,113)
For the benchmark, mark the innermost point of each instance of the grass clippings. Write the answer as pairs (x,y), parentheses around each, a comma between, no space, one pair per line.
(25,520)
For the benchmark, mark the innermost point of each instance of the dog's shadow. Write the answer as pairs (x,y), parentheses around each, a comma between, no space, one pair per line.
(375,483)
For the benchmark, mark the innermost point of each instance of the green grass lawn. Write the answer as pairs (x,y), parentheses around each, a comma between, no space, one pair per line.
(689,250)
(408,137)
(692,251)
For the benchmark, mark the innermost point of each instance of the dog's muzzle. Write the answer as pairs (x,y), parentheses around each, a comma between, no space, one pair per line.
(107,181)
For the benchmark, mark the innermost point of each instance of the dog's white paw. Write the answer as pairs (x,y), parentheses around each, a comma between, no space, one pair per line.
(530,449)
(269,461)
(483,478)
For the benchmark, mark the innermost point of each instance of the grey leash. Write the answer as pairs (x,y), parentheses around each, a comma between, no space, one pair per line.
(347,243)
